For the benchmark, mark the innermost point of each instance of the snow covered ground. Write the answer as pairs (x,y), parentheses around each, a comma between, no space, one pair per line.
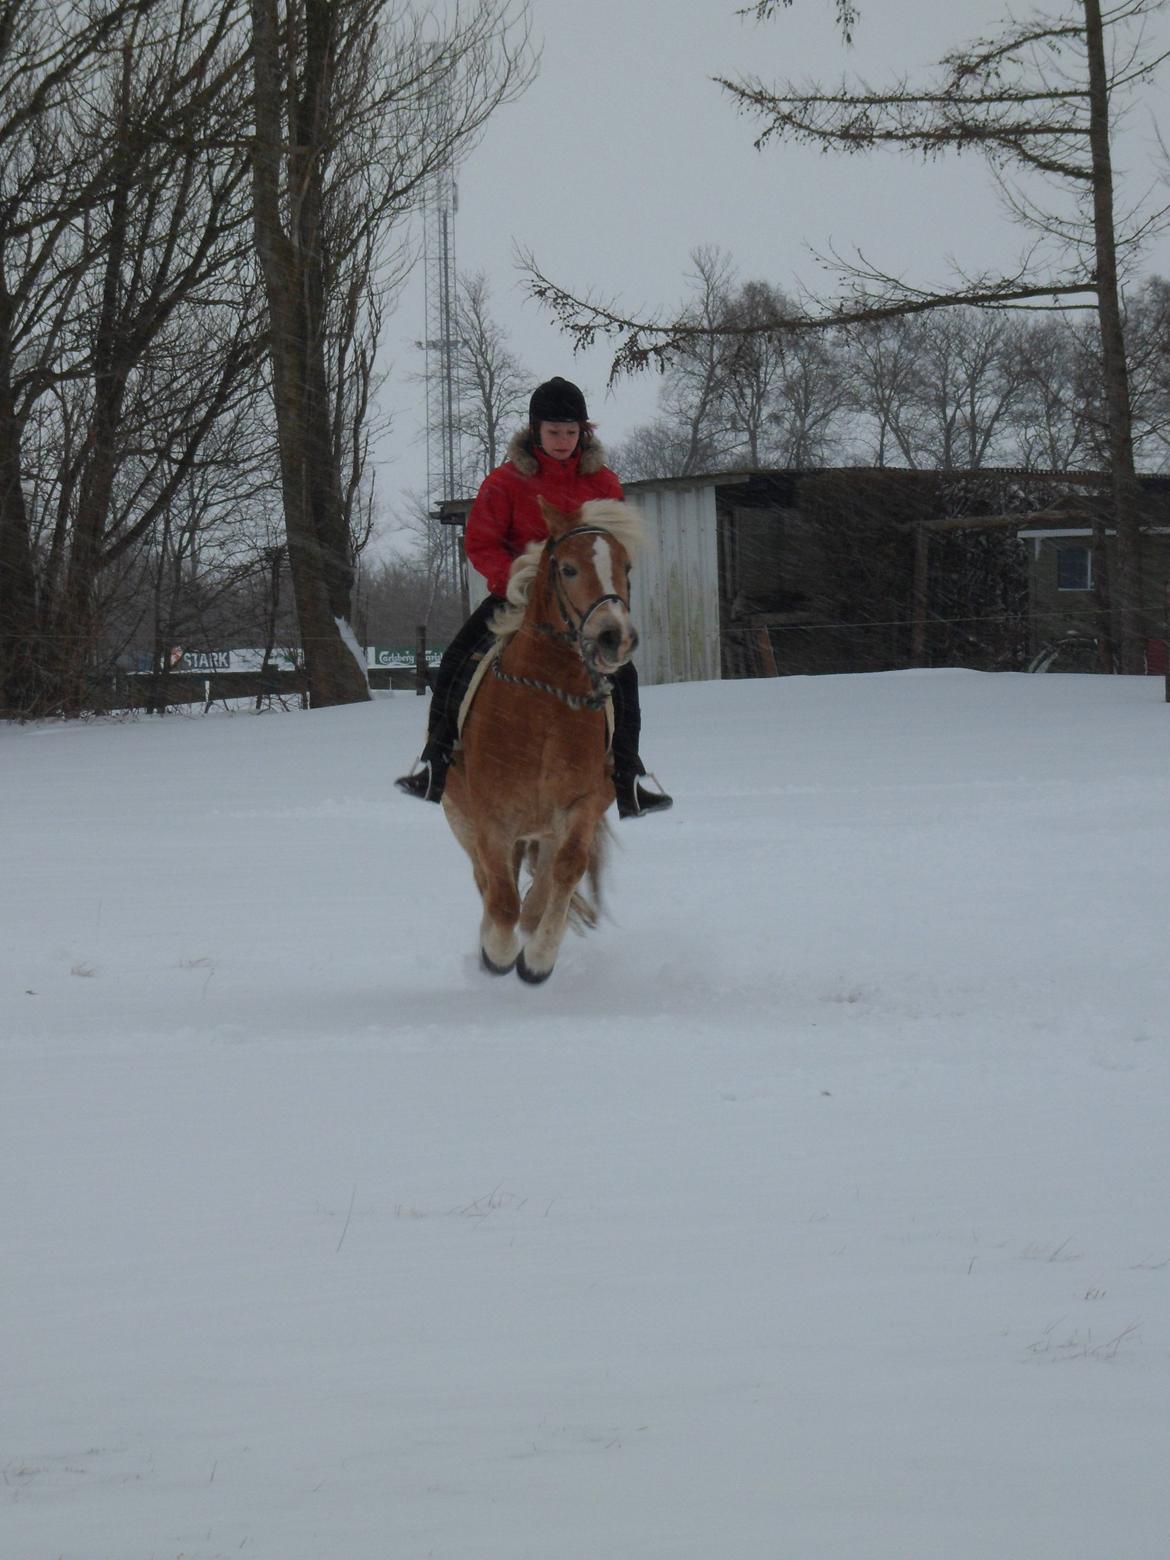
(817,1207)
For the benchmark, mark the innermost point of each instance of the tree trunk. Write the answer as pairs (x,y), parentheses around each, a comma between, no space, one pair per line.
(75,626)
(292,265)
(77,629)
(1126,582)
(21,673)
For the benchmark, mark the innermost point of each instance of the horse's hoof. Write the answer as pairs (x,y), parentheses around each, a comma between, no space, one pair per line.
(495,969)
(532,977)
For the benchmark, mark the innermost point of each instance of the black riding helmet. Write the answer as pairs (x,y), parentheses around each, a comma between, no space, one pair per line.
(557,400)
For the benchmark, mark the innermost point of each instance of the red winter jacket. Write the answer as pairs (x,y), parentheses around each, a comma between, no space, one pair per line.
(506,517)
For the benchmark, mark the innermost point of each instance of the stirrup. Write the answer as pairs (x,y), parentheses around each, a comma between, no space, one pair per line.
(634,800)
(422,781)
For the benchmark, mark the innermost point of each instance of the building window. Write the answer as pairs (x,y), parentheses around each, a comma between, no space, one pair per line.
(1074,568)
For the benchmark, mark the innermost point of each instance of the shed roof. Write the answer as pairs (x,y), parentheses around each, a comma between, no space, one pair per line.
(760,485)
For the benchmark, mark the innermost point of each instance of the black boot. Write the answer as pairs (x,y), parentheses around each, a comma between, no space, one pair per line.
(427,779)
(633,798)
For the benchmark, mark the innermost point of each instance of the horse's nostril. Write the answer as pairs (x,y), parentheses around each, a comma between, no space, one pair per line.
(610,640)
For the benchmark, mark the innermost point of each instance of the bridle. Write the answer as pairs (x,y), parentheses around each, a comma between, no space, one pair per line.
(572,633)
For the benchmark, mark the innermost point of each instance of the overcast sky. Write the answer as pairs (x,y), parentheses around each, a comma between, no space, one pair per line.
(623,156)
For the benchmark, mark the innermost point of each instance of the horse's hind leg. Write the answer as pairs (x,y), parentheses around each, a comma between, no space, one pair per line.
(498,943)
(565,871)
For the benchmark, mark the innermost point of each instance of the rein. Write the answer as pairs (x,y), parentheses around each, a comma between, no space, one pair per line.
(602,688)
(571,634)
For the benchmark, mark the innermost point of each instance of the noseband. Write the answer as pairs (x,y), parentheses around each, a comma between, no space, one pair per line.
(572,632)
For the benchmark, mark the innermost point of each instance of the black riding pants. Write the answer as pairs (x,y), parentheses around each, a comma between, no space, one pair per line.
(458,665)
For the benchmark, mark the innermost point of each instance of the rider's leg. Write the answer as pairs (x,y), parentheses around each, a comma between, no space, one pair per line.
(427,779)
(633,799)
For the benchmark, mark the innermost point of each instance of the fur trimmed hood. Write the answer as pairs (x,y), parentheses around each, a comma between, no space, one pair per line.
(521,455)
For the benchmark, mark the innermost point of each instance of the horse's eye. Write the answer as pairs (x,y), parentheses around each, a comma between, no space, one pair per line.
(569,570)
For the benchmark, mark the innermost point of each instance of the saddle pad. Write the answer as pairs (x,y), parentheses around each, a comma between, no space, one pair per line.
(477,677)
(480,673)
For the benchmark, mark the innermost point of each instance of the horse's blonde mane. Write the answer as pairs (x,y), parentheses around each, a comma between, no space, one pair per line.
(622,521)
(508,619)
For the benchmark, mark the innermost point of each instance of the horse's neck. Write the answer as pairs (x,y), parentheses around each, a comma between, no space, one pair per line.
(542,642)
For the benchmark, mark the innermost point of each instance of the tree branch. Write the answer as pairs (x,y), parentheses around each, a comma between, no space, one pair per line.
(654,341)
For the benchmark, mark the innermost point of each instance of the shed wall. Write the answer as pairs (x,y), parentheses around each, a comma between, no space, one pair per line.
(675,596)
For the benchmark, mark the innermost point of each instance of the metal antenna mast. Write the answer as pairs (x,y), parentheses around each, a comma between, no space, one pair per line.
(444,456)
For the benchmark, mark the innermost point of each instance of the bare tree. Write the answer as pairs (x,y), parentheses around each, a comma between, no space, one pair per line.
(49,58)
(884,364)
(957,390)
(691,432)
(752,399)
(753,368)
(661,448)
(1148,342)
(404,93)
(1052,423)
(122,223)
(693,394)
(397,594)
(809,415)
(492,386)
(421,573)
(168,238)
(967,378)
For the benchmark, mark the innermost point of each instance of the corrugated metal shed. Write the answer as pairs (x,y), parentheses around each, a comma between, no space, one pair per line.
(675,596)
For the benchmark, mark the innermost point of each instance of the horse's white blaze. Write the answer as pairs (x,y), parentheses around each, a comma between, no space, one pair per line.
(603,564)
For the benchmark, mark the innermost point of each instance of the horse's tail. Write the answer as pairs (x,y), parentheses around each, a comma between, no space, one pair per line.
(586,905)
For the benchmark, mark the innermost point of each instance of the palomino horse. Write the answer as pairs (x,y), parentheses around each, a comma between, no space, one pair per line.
(530,782)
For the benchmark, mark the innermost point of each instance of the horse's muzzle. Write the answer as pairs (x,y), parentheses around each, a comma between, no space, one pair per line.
(611,643)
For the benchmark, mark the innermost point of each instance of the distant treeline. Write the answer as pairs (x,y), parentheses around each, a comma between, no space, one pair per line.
(951,390)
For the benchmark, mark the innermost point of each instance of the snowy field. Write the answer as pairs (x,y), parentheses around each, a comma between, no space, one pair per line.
(819,1206)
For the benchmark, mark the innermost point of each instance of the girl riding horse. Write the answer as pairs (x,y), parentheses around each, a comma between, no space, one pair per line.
(529,783)
(556,458)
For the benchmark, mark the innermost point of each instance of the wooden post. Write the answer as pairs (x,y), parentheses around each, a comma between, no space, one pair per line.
(464,582)
(1102,597)
(420,660)
(920,596)
(764,649)
(275,556)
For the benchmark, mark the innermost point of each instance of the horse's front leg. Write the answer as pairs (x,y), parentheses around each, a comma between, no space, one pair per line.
(536,899)
(559,875)
(495,876)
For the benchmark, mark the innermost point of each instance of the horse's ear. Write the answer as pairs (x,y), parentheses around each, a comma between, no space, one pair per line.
(557,522)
